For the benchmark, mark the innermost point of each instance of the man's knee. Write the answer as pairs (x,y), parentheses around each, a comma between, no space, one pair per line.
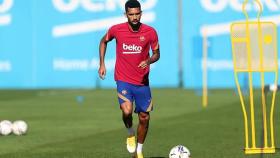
(144,118)
(127,113)
(127,109)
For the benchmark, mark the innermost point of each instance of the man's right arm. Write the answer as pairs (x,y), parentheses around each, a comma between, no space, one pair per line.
(102,51)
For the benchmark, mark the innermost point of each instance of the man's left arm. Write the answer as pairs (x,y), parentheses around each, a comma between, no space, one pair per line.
(155,57)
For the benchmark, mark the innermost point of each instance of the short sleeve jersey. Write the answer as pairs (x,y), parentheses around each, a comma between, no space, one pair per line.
(132,48)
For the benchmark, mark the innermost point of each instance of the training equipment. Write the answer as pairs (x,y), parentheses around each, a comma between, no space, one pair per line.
(273,87)
(131,144)
(19,127)
(5,127)
(179,151)
(254,50)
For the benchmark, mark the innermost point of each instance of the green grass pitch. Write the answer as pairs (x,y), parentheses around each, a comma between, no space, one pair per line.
(87,124)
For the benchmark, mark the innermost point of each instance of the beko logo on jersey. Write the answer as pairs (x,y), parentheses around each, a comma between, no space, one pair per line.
(100,7)
(221,5)
(131,49)
(5,16)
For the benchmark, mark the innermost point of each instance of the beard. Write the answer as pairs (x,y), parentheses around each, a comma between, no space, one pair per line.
(135,27)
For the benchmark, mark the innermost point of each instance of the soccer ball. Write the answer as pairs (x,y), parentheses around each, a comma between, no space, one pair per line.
(19,127)
(179,151)
(5,127)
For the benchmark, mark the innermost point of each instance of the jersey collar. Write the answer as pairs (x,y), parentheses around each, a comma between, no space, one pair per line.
(131,30)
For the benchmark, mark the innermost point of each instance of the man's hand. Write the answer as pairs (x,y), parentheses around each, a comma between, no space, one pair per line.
(149,61)
(144,64)
(102,72)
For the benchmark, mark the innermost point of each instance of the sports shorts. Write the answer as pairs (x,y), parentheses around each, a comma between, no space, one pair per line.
(139,94)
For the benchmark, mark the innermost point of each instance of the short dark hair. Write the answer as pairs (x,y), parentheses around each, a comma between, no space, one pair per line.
(132,4)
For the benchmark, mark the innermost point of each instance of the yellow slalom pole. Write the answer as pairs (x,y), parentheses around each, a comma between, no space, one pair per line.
(204,71)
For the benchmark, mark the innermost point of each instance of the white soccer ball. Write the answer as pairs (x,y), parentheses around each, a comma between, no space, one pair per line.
(273,87)
(5,127)
(179,151)
(19,127)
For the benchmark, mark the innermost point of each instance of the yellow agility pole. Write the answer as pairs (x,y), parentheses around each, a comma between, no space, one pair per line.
(204,71)
(254,50)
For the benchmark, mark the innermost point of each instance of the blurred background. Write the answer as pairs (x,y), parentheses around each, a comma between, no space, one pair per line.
(54,43)
(49,62)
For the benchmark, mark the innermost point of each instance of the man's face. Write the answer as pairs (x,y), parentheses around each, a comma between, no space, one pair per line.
(133,15)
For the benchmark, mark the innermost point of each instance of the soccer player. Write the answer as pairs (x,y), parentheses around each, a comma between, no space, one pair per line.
(133,42)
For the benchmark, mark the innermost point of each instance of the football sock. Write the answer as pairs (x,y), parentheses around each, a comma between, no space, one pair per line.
(139,148)
(130,131)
